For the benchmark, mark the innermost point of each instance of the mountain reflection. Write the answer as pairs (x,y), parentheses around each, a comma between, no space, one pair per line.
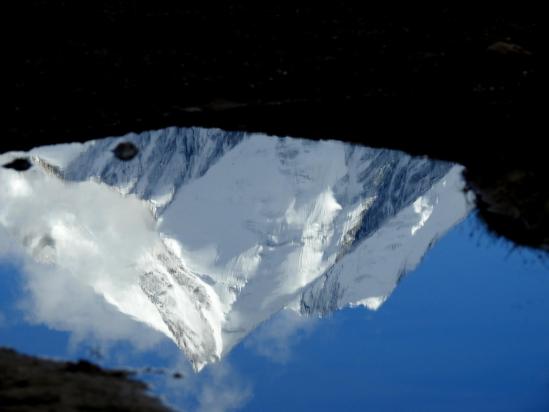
(205,234)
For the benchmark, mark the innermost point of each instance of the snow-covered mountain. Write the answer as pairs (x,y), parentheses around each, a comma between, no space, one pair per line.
(205,234)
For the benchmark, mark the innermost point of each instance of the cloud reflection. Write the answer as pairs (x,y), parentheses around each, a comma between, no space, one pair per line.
(275,338)
(218,388)
(78,310)
(316,227)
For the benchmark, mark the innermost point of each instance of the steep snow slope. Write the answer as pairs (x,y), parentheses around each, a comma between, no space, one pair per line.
(367,275)
(166,159)
(243,226)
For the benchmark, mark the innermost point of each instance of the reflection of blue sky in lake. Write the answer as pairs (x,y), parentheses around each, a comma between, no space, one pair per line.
(467,330)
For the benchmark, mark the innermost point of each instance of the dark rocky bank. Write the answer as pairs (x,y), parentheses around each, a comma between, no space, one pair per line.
(32,384)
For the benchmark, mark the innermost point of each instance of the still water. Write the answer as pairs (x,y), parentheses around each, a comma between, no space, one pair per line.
(327,276)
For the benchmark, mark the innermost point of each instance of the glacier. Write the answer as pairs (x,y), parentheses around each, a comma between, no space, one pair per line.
(206,234)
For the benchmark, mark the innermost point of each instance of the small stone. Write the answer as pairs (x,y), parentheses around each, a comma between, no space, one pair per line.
(20,164)
(516,176)
(125,151)
(508,49)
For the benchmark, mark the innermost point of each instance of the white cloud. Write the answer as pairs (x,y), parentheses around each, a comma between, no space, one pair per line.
(59,300)
(217,388)
(82,238)
(224,390)
(275,338)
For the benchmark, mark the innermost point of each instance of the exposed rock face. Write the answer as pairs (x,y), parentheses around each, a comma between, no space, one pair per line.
(31,384)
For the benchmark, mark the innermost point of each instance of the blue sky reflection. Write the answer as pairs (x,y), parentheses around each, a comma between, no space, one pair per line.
(467,330)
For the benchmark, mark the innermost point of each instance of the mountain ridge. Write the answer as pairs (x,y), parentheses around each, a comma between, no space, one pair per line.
(246,225)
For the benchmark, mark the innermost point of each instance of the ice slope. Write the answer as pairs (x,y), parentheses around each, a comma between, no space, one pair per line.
(367,275)
(243,226)
(165,160)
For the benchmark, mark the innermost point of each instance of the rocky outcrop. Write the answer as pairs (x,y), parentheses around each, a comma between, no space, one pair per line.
(28,383)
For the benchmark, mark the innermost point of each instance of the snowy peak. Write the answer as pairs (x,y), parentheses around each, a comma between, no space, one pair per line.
(166,159)
(245,225)
(368,274)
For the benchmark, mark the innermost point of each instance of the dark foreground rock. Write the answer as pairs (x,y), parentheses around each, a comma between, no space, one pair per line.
(32,384)
(460,82)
